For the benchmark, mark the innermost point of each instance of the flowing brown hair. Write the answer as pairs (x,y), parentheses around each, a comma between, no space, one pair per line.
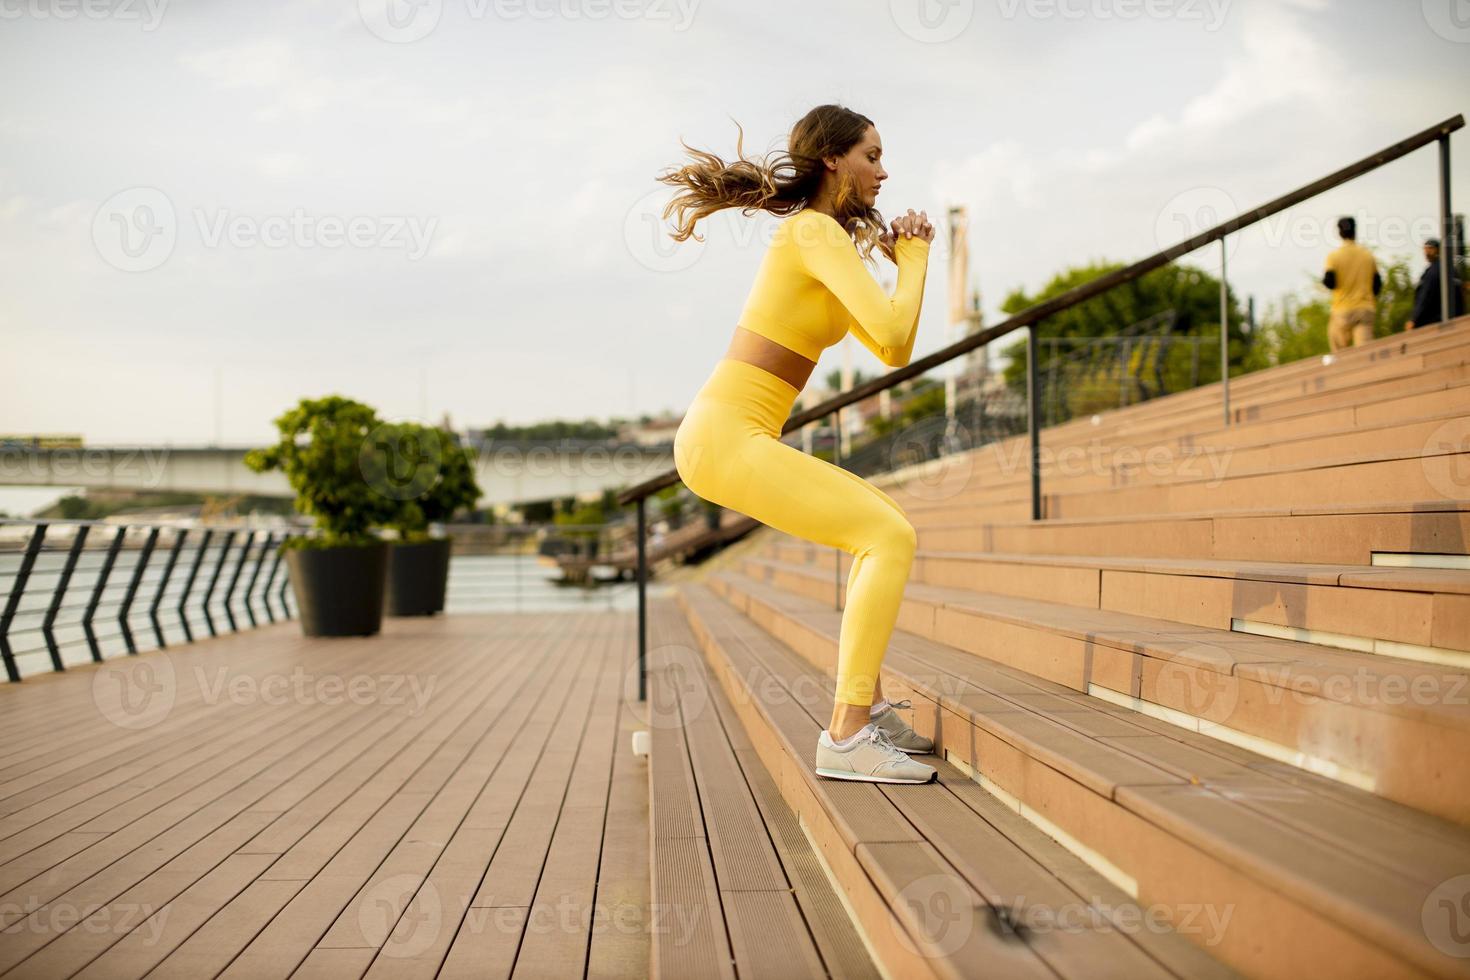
(783,182)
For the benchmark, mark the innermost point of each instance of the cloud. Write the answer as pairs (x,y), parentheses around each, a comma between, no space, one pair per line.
(264,63)
(273,66)
(284,163)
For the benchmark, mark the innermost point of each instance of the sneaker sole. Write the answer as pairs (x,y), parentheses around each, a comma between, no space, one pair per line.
(858,777)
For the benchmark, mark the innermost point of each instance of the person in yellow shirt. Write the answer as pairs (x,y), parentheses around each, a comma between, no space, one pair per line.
(1352,275)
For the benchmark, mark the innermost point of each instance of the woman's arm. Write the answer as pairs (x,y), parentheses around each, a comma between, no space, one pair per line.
(891,356)
(881,322)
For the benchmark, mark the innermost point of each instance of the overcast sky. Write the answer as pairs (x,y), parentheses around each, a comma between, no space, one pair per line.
(210,209)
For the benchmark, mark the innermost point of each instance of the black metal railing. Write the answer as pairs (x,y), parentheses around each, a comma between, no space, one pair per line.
(523,567)
(81,590)
(1437,134)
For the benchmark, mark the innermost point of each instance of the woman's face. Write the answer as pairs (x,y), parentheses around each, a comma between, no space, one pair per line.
(864,165)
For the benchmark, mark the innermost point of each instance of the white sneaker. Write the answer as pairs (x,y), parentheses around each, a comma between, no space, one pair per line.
(899,731)
(871,758)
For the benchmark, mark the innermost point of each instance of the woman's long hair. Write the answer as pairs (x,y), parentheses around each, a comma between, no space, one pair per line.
(783,182)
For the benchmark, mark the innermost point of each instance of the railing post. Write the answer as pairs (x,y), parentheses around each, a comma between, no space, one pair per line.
(33,547)
(281,596)
(1446,229)
(127,603)
(1033,420)
(235,580)
(265,590)
(48,626)
(168,570)
(837,552)
(101,584)
(214,580)
(1224,337)
(189,584)
(642,605)
(270,537)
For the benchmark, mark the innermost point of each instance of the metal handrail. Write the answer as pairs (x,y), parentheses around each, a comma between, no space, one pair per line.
(1078,294)
(1029,317)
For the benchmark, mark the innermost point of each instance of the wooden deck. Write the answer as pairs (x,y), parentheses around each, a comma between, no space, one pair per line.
(454,797)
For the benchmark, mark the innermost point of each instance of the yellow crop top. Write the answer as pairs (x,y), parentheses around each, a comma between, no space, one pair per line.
(812,287)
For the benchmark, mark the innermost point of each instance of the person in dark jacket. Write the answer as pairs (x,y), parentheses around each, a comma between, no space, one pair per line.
(1426,294)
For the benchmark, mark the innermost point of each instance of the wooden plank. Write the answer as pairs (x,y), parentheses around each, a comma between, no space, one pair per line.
(256,838)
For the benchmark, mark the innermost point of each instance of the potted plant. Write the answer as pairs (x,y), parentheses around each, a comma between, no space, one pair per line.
(327,455)
(432,476)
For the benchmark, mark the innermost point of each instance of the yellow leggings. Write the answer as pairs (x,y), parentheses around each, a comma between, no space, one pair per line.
(728,450)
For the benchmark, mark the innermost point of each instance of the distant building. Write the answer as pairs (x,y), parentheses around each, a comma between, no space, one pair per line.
(654,432)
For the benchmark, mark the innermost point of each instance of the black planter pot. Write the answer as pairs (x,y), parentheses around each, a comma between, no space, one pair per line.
(339,591)
(712,519)
(418,573)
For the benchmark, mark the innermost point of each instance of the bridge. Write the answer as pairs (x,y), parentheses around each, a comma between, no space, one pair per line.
(508,472)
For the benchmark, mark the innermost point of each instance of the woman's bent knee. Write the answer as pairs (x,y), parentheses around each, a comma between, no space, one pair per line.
(898,539)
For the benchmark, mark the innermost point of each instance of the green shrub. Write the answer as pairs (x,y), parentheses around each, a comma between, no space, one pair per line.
(334,465)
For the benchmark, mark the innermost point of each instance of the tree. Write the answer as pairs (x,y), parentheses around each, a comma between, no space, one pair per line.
(1193,294)
(834,378)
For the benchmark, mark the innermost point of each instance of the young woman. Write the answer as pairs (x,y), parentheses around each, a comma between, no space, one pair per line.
(810,291)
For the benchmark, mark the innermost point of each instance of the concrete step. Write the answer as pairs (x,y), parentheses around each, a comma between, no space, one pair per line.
(988,475)
(1320,878)
(1323,534)
(1437,471)
(1387,726)
(1418,614)
(942,879)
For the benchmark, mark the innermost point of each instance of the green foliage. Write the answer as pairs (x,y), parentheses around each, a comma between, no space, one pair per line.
(100,505)
(430,473)
(537,511)
(833,378)
(925,400)
(1193,294)
(1295,329)
(582,514)
(551,431)
(671,503)
(336,468)
(74,508)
